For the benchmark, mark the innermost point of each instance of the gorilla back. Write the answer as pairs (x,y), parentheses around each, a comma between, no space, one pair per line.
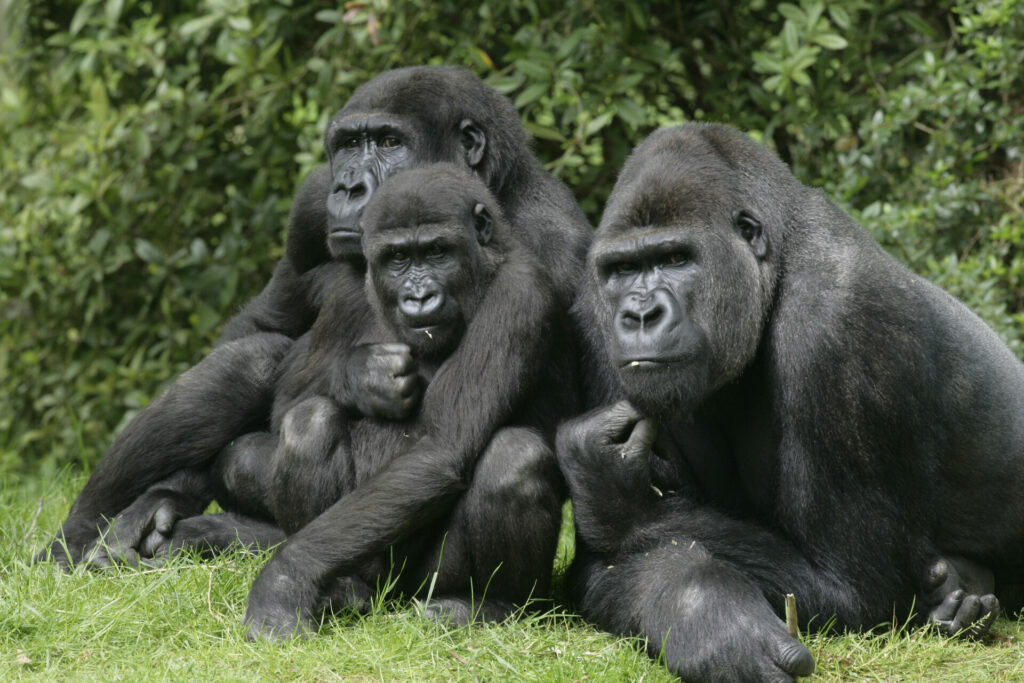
(833,423)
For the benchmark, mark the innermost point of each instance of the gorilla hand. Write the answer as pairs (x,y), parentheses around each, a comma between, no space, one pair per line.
(605,457)
(379,380)
(280,605)
(958,594)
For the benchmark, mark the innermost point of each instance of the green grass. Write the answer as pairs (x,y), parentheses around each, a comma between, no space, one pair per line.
(182,622)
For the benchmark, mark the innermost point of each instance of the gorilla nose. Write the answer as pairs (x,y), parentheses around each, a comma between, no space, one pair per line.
(421,304)
(642,316)
(346,203)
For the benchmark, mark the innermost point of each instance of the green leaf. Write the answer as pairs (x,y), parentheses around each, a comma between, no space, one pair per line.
(793,13)
(145,250)
(113,11)
(831,41)
(814,11)
(839,16)
(240,24)
(630,112)
(81,18)
(767,63)
(790,37)
(531,93)
(597,123)
(533,70)
(198,25)
(915,22)
(543,132)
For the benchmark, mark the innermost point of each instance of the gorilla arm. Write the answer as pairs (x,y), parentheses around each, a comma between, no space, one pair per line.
(499,358)
(605,456)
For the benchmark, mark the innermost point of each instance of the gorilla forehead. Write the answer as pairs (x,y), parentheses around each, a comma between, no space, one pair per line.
(692,174)
(438,97)
(435,194)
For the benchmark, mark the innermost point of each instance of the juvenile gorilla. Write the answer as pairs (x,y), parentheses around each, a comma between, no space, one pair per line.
(804,415)
(399,119)
(449,287)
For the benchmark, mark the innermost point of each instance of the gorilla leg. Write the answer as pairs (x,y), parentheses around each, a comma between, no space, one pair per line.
(499,543)
(702,618)
(312,466)
(289,479)
(241,474)
(228,393)
(238,479)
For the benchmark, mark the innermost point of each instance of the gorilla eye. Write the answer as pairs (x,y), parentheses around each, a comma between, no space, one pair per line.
(676,259)
(624,268)
(351,142)
(435,251)
(398,256)
(390,141)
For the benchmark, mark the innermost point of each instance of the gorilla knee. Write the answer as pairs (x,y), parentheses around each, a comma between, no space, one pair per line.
(517,466)
(310,428)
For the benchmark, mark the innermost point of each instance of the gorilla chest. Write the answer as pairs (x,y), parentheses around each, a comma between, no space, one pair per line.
(729,463)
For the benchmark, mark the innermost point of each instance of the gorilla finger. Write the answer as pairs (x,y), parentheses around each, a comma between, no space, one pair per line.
(396,364)
(936,576)
(641,439)
(406,385)
(97,558)
(617,421)
(949,607)
(967,614)
(164,519)
(394,348)
(989,612)
(794,658)
(154,544)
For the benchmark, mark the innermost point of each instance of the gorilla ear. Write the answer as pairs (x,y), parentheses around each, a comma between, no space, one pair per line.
(482,223)
(473,142)
(752,231)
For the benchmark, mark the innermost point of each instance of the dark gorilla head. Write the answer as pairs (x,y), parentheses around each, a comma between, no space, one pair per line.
(433,238)
(411,117)
(685,261)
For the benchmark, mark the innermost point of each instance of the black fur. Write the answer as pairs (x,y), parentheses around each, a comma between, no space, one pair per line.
(822,421)
(449,115)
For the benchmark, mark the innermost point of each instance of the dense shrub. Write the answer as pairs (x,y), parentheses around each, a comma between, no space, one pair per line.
(150,150)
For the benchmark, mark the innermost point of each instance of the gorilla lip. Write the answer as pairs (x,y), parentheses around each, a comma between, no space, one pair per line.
(651,362)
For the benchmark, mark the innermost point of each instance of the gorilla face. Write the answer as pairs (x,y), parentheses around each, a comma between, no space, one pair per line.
(677,267)
(400,119)
(427,237)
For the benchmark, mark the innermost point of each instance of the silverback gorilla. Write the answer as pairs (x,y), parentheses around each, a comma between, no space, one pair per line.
(448,285)
(805,415)
(399,119)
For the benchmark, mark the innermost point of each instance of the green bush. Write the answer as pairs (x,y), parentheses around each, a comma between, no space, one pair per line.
(150,149)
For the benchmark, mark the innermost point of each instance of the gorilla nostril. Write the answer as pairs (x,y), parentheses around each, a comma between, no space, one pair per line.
(630,320)
(651,316)
(356,191)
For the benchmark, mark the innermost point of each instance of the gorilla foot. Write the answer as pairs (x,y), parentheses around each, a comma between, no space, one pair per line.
(965,615)
(455,611)
(349,593)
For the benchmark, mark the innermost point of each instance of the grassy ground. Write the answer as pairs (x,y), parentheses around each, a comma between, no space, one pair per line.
(181,622)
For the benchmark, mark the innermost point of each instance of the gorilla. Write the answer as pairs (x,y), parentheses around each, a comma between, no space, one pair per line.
(158,469)
(803,415)
(450,288)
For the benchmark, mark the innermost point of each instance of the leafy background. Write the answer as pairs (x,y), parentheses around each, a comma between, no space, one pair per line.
(149,151)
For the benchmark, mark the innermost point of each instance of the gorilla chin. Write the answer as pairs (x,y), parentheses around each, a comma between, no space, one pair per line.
(345,243)
(661,389)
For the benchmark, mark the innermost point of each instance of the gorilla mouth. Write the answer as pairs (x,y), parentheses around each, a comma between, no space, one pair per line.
(641,363)
(345,233)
